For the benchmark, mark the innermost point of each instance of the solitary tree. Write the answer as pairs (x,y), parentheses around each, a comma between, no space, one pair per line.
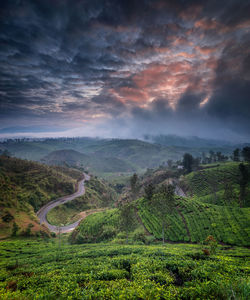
(219,156)
(212,156)
(229,195)
(127,218)
(149,191)
(236,154)
(246,153)
(188,162)
(163,202)
(134,184)
(244,176)
(15,229)
(170,163)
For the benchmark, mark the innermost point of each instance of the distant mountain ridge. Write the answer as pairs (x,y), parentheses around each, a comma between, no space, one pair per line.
(191,141)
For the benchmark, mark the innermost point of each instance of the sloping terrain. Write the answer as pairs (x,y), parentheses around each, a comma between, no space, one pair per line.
(191,219)
(214,185)
(90,162)
(24,187)
(98,194)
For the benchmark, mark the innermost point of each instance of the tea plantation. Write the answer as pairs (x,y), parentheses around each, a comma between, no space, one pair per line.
(193,221)
(36,269)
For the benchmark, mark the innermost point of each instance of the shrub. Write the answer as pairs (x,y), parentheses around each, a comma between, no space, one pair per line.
(7,217)
(212,245)
(139,235)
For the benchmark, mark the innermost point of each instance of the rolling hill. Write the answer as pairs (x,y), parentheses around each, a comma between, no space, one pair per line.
(134,153)
(91,162)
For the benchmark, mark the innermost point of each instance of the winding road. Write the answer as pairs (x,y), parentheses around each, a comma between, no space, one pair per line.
(42,213)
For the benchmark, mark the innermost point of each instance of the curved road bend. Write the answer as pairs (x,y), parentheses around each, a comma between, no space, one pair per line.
(42,213)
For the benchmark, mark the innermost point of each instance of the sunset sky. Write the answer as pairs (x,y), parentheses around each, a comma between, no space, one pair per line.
(123,68)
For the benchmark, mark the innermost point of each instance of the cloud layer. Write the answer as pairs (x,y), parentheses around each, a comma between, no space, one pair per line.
(126,67)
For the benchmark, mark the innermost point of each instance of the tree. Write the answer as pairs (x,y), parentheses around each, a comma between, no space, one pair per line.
(149,191)
(212,156)
(246,153)
(244,176)
(204,158)
(163,202)
(236,154)
(219,156)
(127,218)
(188,162)
(229,194)
(170,163)
(134,185)
(15,229)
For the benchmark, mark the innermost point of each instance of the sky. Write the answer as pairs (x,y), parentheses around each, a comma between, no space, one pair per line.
(124,68)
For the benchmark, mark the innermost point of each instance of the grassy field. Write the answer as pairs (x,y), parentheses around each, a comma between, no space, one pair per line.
(32,269)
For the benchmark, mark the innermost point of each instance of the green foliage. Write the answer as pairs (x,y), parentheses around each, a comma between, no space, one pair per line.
(25,186)
(163,203)
(106,271)
(7,217)
(92,162)
(210,184)
(149,191)
(244,178)
(193,221)
(212,245)
(15,229)
(246,153)
(129,154)
(126,218)
(97,227)
(236,154)
(97,194)
(188,161)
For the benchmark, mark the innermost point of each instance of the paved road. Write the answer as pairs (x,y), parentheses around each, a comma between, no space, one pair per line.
(42,213)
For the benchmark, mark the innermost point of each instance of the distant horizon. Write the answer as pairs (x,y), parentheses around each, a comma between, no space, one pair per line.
(51,135)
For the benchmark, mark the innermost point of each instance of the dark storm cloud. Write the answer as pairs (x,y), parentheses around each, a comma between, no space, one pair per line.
(160,63)
(231,104)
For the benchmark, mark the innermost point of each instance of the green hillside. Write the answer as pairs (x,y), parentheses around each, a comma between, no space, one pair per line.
(26,186)
(209,185)
(89,162)
(191,220)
